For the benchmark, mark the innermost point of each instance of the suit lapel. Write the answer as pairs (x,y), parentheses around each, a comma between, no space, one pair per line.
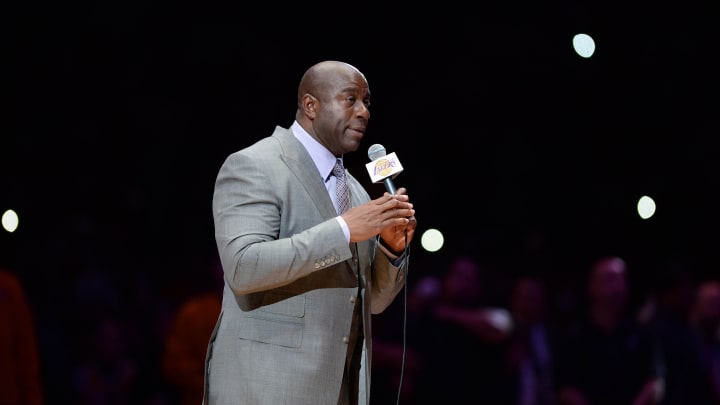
(301,165)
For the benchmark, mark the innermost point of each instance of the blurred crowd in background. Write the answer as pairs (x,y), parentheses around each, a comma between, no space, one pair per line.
(473,331)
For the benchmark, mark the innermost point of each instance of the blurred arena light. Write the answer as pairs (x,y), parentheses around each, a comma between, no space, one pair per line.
(10,221)
(432,240)
(584,45)
(646,207)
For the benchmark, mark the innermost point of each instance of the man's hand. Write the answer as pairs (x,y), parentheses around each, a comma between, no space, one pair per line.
(389,216)
(396,237)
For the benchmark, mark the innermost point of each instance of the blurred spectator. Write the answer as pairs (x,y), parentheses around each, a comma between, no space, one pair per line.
(150,312)
(606,358)
(108,374)
(462,350)
(666,314)
(530,352)
(183,360)
(706,318)
(398,333)
(20,381)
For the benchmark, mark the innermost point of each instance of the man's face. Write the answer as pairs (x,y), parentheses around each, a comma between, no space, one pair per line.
(343,113)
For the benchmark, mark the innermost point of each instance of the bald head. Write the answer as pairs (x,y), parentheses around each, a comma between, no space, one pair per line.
(322,77)
(333,105)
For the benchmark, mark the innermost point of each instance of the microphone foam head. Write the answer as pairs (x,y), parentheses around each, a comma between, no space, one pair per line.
(376,151)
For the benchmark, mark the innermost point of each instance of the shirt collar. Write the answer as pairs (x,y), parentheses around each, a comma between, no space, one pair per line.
(324,159)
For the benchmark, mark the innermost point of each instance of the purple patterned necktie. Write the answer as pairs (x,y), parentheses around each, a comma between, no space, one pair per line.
(341,187)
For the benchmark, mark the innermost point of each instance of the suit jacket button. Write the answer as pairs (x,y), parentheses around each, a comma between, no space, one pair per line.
(346,339)
(352,299)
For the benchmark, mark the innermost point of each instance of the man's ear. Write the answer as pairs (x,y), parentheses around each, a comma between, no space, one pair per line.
(309,105)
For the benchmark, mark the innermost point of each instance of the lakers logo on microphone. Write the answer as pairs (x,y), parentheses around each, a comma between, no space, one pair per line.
(384,167)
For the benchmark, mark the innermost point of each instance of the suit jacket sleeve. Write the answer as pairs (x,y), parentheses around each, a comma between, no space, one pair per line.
(258,198)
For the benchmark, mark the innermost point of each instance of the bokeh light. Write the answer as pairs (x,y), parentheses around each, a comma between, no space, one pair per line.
(584,45)
(432,240)
(646,207)
(10,221)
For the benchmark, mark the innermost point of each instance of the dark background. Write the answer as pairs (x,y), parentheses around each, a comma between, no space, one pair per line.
(121,113)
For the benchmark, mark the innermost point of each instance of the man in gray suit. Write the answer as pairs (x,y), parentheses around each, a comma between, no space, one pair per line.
(301,279)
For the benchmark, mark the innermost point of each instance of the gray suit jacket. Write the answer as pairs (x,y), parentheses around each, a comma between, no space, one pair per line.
(291,281)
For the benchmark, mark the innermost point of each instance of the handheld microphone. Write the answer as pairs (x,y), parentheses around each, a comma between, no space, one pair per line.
(383,167)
